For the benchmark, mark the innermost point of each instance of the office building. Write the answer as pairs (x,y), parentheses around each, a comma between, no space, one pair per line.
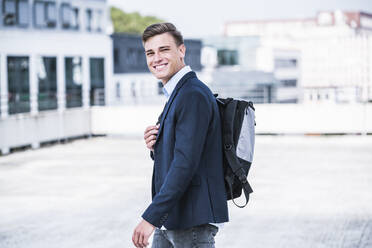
(55,62)
(333,52)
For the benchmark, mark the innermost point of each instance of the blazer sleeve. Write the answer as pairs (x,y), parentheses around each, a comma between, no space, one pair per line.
(193,115)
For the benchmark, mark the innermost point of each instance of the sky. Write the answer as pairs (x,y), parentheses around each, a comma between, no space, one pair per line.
(198,18)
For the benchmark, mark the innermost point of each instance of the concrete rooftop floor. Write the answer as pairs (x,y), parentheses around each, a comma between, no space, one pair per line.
(308,192)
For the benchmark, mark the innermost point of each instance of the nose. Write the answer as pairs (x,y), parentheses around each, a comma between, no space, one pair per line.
(157,58)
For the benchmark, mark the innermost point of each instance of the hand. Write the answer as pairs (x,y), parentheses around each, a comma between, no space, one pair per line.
(142,234)
(150,136)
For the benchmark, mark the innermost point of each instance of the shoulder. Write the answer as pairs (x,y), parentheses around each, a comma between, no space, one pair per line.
(195,97)
(193,87)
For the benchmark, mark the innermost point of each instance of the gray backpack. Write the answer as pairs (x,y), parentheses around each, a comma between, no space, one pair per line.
(238,137)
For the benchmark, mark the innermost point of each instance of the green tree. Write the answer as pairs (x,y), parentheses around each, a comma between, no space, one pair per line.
(132,23)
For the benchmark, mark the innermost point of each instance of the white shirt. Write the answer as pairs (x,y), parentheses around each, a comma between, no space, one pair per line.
(167,90)
(172,83)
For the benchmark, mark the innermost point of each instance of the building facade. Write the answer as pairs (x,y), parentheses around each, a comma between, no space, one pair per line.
(268,75)
(333,51)
(55,62)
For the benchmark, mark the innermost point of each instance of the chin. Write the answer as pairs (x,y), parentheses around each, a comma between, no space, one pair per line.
(161,76)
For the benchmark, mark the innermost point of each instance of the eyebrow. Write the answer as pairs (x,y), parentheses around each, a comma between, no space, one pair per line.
(150,50)
(164,47)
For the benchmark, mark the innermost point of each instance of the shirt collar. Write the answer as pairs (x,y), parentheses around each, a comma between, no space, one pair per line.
(172,83)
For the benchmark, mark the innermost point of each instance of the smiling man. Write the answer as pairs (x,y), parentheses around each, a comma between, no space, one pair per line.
(188,192)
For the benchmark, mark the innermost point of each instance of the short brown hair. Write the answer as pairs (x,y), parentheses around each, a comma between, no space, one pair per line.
(161,28)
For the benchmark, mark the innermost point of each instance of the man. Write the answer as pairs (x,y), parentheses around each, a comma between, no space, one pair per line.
(188,192)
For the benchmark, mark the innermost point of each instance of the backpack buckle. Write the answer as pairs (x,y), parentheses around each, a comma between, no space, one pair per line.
(243,179)
(228,147)
(241,176)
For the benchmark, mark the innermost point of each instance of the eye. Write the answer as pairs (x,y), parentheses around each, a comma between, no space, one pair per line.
(149,53)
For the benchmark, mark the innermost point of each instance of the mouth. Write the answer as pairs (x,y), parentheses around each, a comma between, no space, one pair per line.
(160,67)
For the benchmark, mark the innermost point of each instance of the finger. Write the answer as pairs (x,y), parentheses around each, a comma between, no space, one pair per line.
(150,141)
(146,240)
(149,128)
(141,239)
(151,132)
(147,133)
(136,239)
(154,131)
(151,144)
(150,138)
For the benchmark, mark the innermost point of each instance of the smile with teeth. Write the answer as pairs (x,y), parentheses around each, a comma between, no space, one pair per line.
(160,67)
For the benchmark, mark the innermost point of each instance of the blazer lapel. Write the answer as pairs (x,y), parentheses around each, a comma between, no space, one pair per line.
(171,98)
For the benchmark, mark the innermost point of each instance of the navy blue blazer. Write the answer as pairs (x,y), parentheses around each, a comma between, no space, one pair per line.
(188,186)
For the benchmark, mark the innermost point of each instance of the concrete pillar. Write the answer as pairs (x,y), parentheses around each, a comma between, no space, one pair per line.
(110,87)
(34,84)
(3,98)
(61,94)
(34,91)
(86,82)
(61,84)
(369,71)
(3,86)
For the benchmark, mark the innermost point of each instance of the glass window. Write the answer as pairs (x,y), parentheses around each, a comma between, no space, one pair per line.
(118,90)
(289,82)
(75,18)
(69,16)
(160,88)
(285,63)
(0,86)
(51,14)
(18,85)
(45,14)
(9,6)
(23,13)
(89,19)
(97,81)
(15,12)
(97,21)
(39,13)
(66,15)
(132,56)
(116,56)
(227,57)
(74,81)
(47,78)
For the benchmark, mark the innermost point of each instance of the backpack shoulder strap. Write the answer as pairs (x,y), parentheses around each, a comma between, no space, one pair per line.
(230,149)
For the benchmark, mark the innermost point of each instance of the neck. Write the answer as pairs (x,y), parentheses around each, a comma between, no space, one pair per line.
(164,81)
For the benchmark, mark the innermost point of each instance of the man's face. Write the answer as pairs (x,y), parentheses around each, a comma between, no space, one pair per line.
(164,58)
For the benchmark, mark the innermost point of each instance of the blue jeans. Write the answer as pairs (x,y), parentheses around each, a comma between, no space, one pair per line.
(194,237)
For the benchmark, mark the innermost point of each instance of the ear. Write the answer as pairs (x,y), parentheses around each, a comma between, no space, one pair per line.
(182,50)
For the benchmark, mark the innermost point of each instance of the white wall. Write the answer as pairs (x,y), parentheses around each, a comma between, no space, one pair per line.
(25,129)
(270,118)
(132,121)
